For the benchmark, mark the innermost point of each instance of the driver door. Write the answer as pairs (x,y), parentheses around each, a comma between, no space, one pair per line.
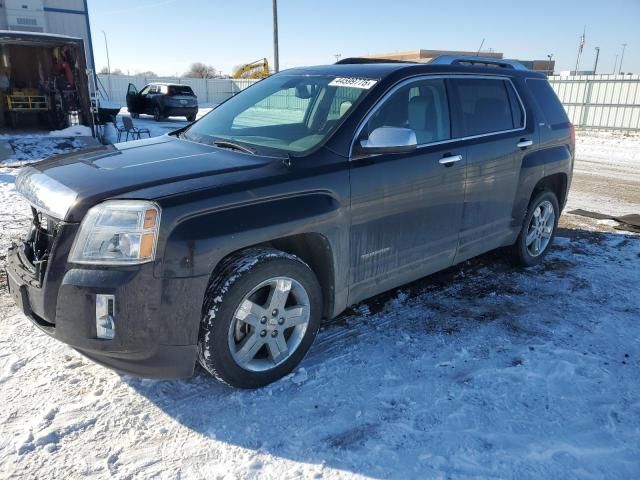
(406,207)
(134,102)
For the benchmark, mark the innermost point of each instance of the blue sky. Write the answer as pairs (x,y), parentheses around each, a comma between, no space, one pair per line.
(167,35)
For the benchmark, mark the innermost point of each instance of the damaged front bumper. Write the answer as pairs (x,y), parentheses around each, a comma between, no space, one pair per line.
(156,333)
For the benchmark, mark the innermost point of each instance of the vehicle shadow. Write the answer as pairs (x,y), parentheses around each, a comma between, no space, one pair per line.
(364,399)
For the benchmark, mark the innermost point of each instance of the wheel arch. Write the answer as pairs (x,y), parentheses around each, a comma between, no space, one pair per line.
(556,183)
(312,248)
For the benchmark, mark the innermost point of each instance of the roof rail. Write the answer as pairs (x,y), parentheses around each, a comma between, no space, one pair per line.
(363,60)
(483,61)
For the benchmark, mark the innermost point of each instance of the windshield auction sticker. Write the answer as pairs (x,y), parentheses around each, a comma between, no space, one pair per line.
(363,83)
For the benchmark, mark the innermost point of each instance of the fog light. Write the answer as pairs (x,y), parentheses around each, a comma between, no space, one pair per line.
(105,324)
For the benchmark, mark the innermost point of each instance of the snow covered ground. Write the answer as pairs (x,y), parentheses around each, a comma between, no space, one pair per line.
(481,371)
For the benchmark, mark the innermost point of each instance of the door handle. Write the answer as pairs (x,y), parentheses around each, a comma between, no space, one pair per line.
(524,143)
(450,160)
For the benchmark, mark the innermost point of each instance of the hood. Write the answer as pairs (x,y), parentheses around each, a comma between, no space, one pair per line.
(65,186)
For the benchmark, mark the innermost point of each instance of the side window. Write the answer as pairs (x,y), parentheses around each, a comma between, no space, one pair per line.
(482,105)
(516,107)
(421,106)
(548,101)
(145,90)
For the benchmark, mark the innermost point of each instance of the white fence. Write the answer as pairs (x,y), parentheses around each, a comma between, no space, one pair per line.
(592,101)
(209,92)
(600,101)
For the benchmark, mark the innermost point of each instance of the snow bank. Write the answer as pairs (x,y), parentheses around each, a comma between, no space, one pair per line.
(75,131)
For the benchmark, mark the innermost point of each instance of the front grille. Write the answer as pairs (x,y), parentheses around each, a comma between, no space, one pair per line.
(39,243)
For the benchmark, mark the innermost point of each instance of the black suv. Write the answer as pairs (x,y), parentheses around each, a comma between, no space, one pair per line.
(228,241)
(162,100)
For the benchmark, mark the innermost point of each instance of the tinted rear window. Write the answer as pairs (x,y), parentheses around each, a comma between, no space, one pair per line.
(483,106)
(180,90)
(548,101)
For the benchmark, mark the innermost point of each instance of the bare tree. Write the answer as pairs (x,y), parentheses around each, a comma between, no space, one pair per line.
(200,70)
(148,73)
(115,71)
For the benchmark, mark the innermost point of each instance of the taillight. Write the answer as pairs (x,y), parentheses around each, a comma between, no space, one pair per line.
(572,137)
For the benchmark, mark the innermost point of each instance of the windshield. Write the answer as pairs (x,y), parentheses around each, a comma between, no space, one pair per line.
(290,113)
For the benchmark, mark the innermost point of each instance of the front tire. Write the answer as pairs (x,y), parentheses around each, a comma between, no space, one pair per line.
(157,114)
(538,229)
(191,118)
(261,314)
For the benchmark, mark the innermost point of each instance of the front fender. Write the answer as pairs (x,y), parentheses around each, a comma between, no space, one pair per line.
(197,244)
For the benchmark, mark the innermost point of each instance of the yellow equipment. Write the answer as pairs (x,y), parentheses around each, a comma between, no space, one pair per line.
(27,101)
(257,69)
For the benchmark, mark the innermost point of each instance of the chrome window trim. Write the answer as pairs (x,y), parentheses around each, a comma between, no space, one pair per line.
(416,78)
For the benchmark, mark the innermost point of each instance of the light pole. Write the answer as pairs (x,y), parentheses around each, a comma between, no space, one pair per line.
(106,46)
(549,68)
(595,65)
(338,56)
(624,46)
(276,54)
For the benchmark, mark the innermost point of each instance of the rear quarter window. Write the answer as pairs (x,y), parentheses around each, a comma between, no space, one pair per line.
(180,90)
(548,101)
(484,106)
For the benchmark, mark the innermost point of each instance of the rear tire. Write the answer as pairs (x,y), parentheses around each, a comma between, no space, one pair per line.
(261,313)
(191,118)
(157,114)
(135,115)
(538,229)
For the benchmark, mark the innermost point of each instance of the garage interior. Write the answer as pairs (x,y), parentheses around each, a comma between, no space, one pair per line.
(43,83)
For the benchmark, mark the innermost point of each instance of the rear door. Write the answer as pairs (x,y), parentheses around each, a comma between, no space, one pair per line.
(406,208)
(488,114)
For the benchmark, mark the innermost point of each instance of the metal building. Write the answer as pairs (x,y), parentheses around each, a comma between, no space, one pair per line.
(61,17)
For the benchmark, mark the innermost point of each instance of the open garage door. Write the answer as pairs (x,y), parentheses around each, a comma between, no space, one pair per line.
(43,82)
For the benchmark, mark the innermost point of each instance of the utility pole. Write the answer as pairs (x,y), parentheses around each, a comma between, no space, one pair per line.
(549,68)
(480,48)
(624,46)
(615,64)
(595,65)
(276,53)
(338,57)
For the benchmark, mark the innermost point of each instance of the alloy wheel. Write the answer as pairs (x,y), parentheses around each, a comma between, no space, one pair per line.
(540,228)
(269,324)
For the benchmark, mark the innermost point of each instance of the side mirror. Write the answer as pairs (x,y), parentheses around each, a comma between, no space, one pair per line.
(390,140)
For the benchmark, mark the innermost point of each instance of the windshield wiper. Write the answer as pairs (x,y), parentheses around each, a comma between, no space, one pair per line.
(233,146)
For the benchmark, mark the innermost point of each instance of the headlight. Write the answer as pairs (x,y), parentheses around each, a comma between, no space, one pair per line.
(118,232)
